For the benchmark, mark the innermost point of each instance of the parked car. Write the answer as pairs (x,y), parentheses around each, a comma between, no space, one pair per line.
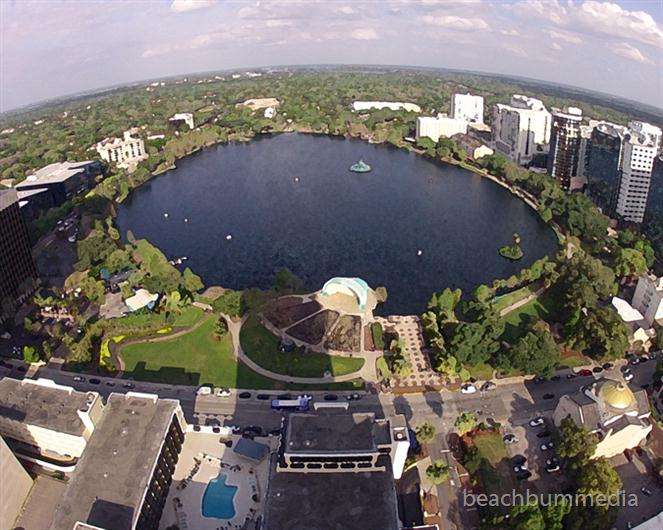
(634,362)
(628,455)
(128,385)
(628,376)
(234,428)
(95,381)
(537,421)
(646,491)
(110,383)
(196,428)
(552,468)
(263,397)
(546,446)
(353,397)
(330,397)
(570,376)
(488,385)
(222,392)
(539,380)
(253,429)
(510,438)
(518,469)
(643,358)
(204,391)
(608,366)
(468,388)
(518,460)
(244,395)
(597,369)
(585,372)
(79,379)
(543,434)
(549,395)
(523,475)
(555,378)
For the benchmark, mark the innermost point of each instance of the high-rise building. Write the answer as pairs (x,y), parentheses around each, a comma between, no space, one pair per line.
(18,485)
(564,145)
(442,125)
(467,107)
(521,130)
(16,265)
(639,149)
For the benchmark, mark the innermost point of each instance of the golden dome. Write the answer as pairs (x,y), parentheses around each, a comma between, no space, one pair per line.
(616,394)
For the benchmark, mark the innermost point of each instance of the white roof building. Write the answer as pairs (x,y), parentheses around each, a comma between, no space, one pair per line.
(182,117)
(54,173)
(442,125)
(391,105)
(142,298)
(467,107)
(125,152)
(522,128)
(260,103)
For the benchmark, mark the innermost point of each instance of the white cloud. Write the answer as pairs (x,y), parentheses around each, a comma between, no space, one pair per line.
(564,36)
(365,34)
(181,6)
(624,49)
(455,22)
(509,32)
(515,50)
(555,46)
(345,10)
(275,23)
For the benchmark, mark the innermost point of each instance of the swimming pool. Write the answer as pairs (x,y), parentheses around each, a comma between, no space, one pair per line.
(218,499)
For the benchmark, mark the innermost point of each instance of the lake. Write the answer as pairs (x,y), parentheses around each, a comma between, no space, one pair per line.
(289,201)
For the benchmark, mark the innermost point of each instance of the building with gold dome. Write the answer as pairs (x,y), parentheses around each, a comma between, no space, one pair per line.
(611,410)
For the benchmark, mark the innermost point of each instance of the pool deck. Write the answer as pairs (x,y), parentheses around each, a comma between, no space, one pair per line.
(202,459)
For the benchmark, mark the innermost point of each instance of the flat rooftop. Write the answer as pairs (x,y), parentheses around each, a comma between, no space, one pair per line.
(54,173)
(331,501)
(51,407)
(111,477)
(333,433)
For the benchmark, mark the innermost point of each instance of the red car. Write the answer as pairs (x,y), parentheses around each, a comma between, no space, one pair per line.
(585,372)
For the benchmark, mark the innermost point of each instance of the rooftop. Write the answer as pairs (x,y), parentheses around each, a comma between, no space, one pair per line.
(330,501)
(44,404)
(111,477)
(7,198)
(318,433)
(54,173)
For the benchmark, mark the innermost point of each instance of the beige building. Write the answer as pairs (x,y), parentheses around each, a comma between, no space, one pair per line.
(442,125)
(48,418)
(260,103)
(474,148)
(609,409)
(15,485)
(124,152)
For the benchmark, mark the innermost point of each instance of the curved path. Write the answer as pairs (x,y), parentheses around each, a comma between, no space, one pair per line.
(367,371)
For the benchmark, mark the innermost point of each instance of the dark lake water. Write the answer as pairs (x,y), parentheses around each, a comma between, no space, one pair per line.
(332,222)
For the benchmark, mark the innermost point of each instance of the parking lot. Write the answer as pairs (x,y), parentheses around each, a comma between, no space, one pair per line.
(636,475)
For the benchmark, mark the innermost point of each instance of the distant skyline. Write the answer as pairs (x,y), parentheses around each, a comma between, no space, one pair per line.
(52,48)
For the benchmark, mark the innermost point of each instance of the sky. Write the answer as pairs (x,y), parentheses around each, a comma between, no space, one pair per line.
(58,47)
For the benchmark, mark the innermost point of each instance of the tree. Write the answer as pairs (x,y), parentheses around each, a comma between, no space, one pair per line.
(286,280)
(425,432)
(600,332)
(118,260)
(535,353)
(229,303)
(576,444)
(381,294)
(221,327)
(30,354)
(438,472)
(630,261)
(465,422)
(443,305)
(191,282)
(93,290)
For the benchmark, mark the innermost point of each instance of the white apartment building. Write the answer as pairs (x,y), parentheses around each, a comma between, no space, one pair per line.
(639,149)
(522,128)
(467,107)
(185,118)
(124,152)
(391,105)
(442,125)
(648,298)
(53,418)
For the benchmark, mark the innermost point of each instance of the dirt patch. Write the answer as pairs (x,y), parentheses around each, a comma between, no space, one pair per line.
(213,292)
(346,335)
(282,315)
(313,329)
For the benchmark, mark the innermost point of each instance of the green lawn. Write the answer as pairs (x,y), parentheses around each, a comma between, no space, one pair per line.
(262,347)
(495,471)
(509,298)
(481,371)
(546,307)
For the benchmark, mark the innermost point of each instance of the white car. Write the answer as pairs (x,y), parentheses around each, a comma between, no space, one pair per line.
(468,389)
(204,391)
(546,446)
(234,428)
(71,239)
(222,392)
(521,467)
(628,377)
(536,422)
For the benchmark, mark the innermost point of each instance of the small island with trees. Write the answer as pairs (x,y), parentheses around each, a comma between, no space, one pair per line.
(512,252)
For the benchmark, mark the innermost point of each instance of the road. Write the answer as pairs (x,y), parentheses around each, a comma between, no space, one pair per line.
(512,403)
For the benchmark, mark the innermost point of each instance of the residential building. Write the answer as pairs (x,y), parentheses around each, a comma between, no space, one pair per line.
(564,148)
(521,129)
(57,183)
(260,103)
(584,148)
(123,478)
(124,152)
(47,418)
(609,409)
(338,466)
(391,105)
(16,486)
(442,125)
(648,298)
(467,107)
(182,118)
(474,148)
(639,150)
(16,265)
(602,158)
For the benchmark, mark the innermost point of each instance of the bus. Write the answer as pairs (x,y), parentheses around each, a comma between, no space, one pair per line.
(300,404)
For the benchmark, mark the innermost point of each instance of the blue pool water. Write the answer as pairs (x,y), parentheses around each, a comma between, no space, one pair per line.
(218,499)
